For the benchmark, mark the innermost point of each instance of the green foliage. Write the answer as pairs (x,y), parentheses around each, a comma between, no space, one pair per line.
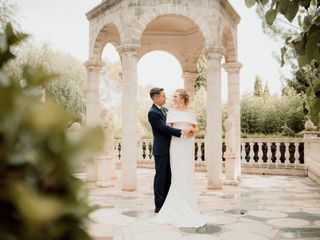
(258,92)
(69,84)
(266,92)
(307,81)
(8,10)
(201,80)
(306,43)
(40,198)
(200,106)
(274,115)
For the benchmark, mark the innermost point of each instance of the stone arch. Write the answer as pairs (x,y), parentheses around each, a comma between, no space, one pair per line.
(109,29)
(163,47)
(228,42)
(172,9)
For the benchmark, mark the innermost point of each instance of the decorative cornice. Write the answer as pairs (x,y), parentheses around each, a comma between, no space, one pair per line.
(102,7)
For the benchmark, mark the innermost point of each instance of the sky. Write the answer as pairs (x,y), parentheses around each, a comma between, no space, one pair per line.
(63,25)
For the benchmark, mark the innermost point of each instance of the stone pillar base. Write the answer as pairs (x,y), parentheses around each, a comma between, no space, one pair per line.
(231,182)
(215,186)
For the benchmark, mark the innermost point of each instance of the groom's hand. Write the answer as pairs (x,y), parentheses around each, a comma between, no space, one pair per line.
(187,132)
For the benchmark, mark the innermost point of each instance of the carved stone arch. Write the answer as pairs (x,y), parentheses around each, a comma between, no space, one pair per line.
(228,42)
(163,47)
(109,30)
(171,9)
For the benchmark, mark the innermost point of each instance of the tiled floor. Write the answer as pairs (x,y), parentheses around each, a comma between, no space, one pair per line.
(260,208)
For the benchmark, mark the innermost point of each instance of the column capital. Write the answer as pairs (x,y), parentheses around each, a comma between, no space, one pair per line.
(94,65)
(215,52)
(128,49)
(188,74)
(232,67)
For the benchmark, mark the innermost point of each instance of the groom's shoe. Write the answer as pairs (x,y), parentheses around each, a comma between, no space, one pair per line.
(157,210)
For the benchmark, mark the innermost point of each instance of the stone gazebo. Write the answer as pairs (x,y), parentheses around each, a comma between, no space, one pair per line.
(186,29)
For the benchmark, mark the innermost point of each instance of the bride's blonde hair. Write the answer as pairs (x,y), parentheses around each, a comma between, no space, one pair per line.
(184,95)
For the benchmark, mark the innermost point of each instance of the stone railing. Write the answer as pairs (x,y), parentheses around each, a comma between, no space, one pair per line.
(258,155)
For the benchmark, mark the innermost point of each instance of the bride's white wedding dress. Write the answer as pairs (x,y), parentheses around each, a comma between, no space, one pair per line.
(180,207)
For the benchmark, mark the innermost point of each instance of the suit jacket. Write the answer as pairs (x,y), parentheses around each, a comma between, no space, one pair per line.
(161,131)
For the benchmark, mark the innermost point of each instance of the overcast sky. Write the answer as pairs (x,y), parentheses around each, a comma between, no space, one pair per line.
(62,23)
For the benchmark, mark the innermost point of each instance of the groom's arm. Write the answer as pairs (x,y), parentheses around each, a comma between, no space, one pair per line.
(161,125)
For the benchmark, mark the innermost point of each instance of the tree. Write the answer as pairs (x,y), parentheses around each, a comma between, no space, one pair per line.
(8,11)
(266,92)
(200,108)
(201,80)
(68,87)
(40,198)
(306,42)
(258,92)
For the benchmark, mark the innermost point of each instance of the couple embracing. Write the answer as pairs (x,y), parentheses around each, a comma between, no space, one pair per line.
(173,150)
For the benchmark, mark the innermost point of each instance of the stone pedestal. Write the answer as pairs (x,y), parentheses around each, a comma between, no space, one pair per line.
(213,142)
(104,170)
(230,169)
(233,69)
(230,155)
(91,171)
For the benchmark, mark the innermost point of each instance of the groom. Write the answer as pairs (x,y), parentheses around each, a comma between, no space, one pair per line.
(161,143)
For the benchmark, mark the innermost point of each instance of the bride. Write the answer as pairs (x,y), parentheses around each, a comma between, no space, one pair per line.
(180,207)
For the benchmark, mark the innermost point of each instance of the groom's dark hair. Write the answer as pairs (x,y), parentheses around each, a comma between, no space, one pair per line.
(155,91)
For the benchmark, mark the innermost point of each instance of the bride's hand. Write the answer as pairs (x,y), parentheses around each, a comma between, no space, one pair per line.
(190,134)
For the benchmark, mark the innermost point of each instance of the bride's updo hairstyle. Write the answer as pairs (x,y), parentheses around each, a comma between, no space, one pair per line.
(183,95)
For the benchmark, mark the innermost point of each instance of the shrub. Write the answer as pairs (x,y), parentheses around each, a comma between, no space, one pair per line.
(40,198)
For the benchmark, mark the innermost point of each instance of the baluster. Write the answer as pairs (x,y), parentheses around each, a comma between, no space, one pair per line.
(202,158)
(287,154)
(278,153)
(202,150)
(260,153)
(251,153)
(269,153)
(149,147)
(196,152)
(296,153)
(119,151)
(243,153)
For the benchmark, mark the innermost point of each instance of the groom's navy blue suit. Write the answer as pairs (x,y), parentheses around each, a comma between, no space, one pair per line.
(161,145)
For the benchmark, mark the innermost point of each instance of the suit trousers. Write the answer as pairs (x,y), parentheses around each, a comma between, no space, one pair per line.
(162,179)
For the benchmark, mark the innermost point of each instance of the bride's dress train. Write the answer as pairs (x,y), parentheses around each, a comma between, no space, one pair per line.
(180,207)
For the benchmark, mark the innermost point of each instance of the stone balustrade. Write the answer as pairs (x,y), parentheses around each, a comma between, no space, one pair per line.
(258,155)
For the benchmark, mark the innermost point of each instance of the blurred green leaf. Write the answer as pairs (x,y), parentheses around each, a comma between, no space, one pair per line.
(271,16)
(250,3)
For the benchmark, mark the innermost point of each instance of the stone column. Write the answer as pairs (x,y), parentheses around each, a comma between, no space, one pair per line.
(189,81)
(213,141)
(233,69)
(129,136)
(93,106)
